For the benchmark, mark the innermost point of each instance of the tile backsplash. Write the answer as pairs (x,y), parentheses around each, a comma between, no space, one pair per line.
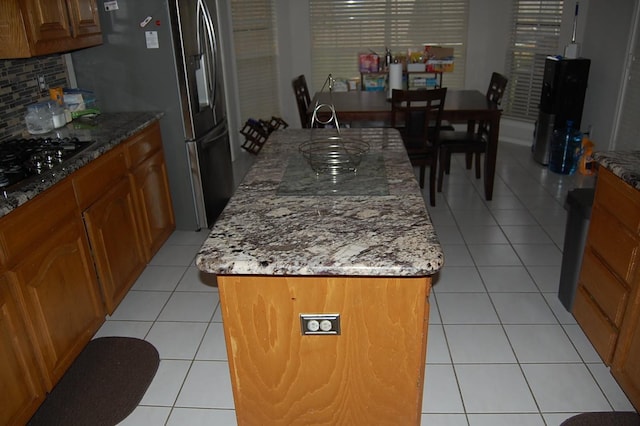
(19,88)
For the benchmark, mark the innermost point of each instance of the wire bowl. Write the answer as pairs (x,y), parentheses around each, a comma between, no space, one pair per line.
(334,155)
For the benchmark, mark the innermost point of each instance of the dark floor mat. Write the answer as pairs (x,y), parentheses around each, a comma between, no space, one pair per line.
(618,418)
(103,385)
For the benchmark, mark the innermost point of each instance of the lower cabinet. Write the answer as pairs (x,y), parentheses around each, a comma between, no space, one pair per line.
(22,388)
(69,256)
(151,185)
(60,291)
(607,304)
(626,361)
(116,246)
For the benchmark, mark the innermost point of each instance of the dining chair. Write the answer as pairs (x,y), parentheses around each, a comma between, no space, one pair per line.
(417,114)
(473,141)
(303,99)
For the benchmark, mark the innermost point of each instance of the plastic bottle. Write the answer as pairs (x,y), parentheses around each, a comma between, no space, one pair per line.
(388,59)
(566,148)
(587,164)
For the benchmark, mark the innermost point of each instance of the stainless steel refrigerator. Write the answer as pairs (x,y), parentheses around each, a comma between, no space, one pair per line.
(163,55)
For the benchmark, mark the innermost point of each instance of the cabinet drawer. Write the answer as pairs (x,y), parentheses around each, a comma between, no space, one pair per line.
(595,325)
(618,196)
(91,182)
(607,291)
(613,242)
(143,145)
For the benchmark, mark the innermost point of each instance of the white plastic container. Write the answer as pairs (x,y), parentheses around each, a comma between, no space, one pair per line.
(57,114)
(39,118)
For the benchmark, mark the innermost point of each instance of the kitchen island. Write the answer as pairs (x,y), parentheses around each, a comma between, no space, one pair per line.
(324,283)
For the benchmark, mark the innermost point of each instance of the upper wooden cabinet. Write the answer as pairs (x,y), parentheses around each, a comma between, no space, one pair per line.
(33,27)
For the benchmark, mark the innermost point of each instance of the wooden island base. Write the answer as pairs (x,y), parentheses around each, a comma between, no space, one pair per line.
(372,373)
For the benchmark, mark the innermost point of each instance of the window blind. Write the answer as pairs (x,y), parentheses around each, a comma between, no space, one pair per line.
(254,38)
(535,35)
(340,29)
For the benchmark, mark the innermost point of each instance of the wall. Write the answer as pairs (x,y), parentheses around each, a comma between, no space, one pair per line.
(294,53)
(605,43)
(19,88)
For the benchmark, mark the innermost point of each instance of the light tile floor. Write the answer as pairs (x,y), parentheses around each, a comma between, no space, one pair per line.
(502,350)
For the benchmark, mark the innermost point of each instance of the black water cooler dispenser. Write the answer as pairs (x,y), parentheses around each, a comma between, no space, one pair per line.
(564,86)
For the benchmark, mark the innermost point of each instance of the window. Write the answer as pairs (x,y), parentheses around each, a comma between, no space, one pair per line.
(340,29)
(534,35)
(254,36)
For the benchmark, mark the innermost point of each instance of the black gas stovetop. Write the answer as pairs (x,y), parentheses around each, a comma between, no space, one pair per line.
(21,159)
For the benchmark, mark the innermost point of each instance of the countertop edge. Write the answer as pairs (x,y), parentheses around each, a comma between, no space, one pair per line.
(623,164)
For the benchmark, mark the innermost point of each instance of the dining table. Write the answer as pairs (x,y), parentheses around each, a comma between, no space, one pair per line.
(373,109)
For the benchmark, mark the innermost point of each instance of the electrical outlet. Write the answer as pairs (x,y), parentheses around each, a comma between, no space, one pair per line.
(320,324)
(42,83)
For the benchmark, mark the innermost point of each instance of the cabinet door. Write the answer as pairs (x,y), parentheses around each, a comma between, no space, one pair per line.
(22,389)
(60,290)
(83,15)
(117,249)
(47,21)
(154,202)
(626,362)
(60,25)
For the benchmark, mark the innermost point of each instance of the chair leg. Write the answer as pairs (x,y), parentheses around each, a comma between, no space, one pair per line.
(447,163)
(468,159)
(441,166)
(477,154)
(432,181)
(422,172)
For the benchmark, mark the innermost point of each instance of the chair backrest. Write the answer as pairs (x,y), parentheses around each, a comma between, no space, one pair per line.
(496,89)
(418,114)
(303,99)
(497,86)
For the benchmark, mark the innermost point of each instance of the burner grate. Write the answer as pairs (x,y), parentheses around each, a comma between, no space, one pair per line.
(21,159)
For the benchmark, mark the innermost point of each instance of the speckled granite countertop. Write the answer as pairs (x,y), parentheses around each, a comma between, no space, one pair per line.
(283,220)
(107,130)
(624,164)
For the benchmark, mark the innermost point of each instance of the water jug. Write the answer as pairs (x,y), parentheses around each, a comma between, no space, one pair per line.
(566,148)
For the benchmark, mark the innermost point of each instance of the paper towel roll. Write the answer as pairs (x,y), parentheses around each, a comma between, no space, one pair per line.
(395,78)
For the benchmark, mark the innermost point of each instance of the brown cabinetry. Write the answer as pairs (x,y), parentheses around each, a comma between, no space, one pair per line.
(20,379)
(105,197)
(607,304)
(372,373)
(151,186)
(33,27)
(54,272)
(66,255)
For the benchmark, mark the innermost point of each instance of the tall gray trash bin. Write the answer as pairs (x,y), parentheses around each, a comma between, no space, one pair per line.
(579,203)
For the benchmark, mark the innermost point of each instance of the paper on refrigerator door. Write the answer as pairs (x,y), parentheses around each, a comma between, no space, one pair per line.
(151,37)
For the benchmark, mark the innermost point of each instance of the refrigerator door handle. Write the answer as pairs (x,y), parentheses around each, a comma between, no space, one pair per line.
(206,71)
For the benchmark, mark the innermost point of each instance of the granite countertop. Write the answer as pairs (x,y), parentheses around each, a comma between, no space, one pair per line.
(286,220)
(107,130)
(624,164)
